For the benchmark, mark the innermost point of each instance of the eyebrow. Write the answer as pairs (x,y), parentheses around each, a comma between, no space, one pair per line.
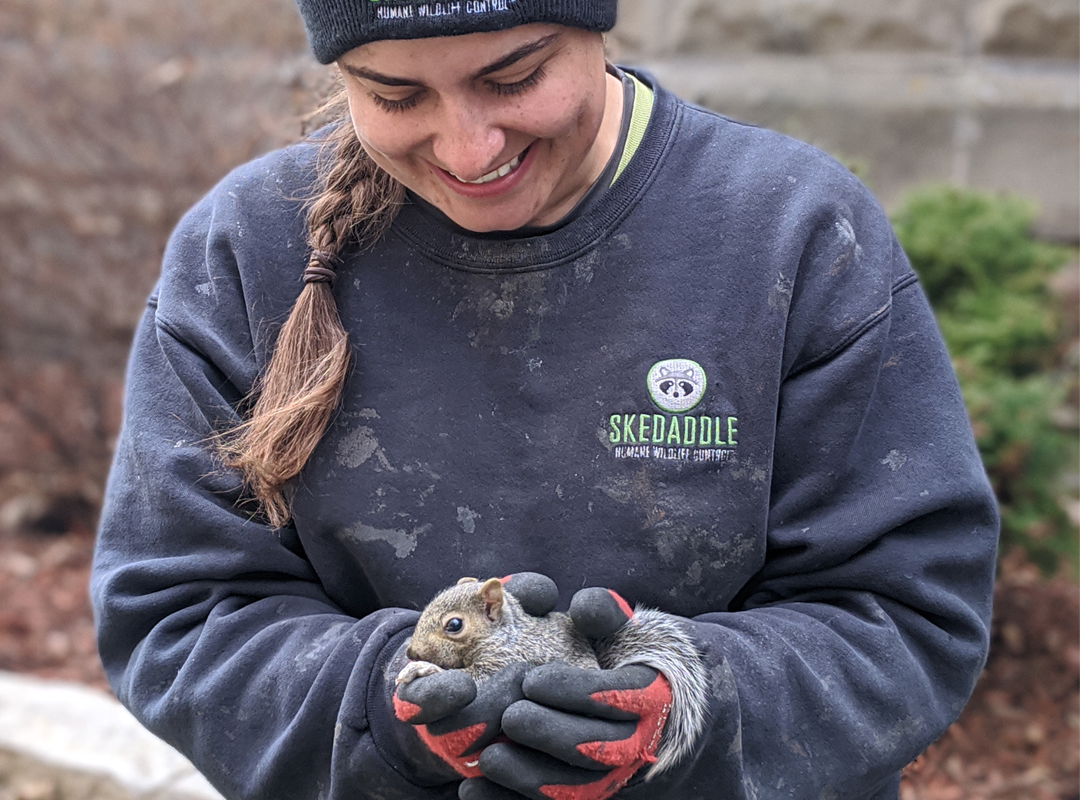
(508,60)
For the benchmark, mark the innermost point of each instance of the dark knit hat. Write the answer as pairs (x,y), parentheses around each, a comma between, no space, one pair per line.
(335,27)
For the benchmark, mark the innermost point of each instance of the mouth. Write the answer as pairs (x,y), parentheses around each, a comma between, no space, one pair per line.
(495,183)
(495,174)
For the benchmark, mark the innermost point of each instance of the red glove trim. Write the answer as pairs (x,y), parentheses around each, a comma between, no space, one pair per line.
(450,747)
(652,705)
(623,605)
(405,710)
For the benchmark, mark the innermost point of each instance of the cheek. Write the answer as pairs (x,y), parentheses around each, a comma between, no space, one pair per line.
(562,118)
(383,136)
(383,142)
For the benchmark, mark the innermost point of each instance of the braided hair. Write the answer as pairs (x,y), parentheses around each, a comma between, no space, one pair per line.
(296,395)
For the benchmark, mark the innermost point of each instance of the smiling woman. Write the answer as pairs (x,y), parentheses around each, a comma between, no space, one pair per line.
(496,130)
(542,319)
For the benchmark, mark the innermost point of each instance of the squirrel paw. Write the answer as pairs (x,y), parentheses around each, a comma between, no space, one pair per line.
(417,669)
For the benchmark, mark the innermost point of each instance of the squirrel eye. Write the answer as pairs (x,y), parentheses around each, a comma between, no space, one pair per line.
(453,625)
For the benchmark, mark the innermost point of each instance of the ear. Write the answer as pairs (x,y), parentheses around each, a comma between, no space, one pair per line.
(466,580)
(492,595)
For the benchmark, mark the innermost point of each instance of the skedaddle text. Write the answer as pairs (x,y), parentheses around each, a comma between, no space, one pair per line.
(671,431)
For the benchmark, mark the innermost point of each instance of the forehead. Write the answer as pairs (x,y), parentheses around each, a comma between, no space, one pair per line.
(459,55)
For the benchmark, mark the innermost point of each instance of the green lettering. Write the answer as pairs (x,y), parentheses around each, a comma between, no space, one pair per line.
(627,428)
(732,430)
(705,438)
(674,434)
(689,430)
(719,434)
(642,431)
(613,421)
(658,424)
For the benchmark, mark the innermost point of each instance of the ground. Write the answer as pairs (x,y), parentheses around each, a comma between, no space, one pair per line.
(1018,738)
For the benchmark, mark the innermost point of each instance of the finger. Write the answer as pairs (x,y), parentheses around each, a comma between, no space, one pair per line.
(528,772)
(433,697)
(562,735)
(586,691)
(483,789)
(492,697)
(599,612)
(536,593)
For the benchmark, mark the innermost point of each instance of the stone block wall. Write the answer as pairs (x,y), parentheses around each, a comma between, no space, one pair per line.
(1024,28)
(978,92)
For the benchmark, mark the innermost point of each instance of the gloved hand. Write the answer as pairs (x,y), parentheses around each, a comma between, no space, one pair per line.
(453,718)
(580,734)
(449,715)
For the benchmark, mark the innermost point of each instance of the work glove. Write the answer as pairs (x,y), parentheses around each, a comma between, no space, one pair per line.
(448,714)
(580,734)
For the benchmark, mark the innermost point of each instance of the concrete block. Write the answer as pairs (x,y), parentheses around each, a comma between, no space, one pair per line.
(734,27)
(905,120)
(1041,28)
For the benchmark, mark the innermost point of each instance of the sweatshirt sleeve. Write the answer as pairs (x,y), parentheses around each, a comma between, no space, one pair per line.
(860,639)
(213,627)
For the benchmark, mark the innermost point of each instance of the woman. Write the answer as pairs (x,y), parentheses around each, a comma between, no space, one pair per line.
(551,319)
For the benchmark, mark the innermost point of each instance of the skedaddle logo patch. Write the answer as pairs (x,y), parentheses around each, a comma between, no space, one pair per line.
(675,386)
(411,9)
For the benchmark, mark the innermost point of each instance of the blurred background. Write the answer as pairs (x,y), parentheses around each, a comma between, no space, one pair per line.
(961,116)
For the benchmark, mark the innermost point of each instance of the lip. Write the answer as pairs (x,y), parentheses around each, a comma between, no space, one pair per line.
(492,188)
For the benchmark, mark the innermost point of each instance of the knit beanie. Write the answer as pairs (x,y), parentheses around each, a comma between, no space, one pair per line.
(334,27)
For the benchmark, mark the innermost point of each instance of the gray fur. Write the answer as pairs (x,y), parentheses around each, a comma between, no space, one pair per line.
(536,640)
(658,640)
(492,644)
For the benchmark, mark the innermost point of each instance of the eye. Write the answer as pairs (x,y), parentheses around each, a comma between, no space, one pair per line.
(454,625)
(386,104)
(520,86)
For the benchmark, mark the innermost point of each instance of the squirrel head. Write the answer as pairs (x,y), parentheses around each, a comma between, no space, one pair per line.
(457,622)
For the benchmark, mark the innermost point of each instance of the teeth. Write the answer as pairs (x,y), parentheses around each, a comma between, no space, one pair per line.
(501,172)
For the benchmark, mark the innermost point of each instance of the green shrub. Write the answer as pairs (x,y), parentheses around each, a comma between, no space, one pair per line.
(986,277)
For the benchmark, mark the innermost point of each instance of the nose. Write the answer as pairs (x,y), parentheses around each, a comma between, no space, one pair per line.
(466,141)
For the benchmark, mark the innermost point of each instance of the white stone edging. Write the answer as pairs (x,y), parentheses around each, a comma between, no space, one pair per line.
(71,735)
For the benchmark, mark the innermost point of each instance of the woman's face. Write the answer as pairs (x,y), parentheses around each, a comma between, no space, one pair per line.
(497,130)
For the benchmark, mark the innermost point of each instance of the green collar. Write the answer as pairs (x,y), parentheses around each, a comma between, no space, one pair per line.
(639,121)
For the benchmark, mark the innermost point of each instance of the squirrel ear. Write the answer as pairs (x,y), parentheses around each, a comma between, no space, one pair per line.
(466,580)
(492,595)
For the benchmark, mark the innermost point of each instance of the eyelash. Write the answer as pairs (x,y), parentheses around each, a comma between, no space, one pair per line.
(395,105)
(501,89)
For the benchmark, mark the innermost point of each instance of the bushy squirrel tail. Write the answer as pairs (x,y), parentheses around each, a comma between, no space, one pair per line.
(659,641)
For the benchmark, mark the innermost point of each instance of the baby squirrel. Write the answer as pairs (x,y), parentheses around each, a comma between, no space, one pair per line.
(481,628)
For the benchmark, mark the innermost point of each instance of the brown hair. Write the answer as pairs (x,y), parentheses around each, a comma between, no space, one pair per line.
(295,397)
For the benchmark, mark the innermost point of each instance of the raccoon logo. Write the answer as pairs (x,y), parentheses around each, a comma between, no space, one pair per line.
(677,384)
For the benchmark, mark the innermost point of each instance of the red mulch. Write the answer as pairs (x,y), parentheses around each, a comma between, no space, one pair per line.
(1018,738)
